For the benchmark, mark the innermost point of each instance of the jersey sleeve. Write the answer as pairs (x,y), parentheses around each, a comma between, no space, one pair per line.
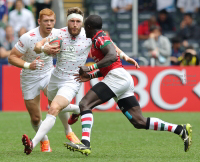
(103,41)
(22,44)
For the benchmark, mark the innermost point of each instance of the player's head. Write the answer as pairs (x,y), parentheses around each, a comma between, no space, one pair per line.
(19,5)
(47,20)
(92,24)
(74,20)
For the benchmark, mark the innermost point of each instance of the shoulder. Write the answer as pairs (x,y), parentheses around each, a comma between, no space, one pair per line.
(26,11)
(12,12)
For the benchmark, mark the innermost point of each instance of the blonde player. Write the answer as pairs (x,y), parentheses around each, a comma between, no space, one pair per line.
(36,73)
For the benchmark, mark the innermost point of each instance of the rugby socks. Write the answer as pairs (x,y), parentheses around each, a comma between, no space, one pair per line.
(159,125)
(44,128)
(36,127)
(71,108)
(64,116)
(87,122)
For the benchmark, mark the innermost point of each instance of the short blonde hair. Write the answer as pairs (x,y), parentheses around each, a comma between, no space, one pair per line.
(75,10)
(47,12)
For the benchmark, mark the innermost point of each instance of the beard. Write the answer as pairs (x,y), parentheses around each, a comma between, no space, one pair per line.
(74,33)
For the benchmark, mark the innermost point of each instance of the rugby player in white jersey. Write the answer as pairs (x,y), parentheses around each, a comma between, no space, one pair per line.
(36,73)
(63,87)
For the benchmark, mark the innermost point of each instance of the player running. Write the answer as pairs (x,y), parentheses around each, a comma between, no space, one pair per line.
(117,84)
(36,73)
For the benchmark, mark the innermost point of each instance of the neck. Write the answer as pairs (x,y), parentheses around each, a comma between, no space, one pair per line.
(93,32)
(43,34)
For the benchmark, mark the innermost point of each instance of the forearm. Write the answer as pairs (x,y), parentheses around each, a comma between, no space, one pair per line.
(14,60)
(107,60)
(4,53)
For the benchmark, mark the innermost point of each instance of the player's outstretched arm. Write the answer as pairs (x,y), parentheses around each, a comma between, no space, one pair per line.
(125,57)
(15,59)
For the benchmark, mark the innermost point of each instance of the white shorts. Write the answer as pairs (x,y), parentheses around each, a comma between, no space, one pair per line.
(62,87)
(120,82)
(31,85)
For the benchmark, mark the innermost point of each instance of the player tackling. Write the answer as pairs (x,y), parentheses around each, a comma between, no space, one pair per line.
(36,73)
(117,84)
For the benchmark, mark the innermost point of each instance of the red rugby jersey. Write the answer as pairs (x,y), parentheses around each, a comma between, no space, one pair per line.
(99,41)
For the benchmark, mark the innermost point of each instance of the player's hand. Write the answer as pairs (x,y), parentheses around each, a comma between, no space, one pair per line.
(83,70)
(82,78)
(37,64)
(51,50)
(131,61)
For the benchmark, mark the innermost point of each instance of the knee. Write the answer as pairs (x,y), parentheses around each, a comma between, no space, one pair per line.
(139,123)
(35,120)
(83,105)
(54,109)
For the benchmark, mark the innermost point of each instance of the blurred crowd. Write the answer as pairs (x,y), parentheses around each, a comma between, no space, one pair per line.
(16,18)
(168,30)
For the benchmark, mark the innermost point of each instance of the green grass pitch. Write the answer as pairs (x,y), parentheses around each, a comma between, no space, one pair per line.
(113,139)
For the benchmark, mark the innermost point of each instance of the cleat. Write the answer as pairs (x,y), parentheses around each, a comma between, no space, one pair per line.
(187,136)
(80,147)
(73,118)
(45,146)
(72,137)
(27,144)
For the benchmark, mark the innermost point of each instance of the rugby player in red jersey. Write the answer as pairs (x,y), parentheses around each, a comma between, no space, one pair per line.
(117,84)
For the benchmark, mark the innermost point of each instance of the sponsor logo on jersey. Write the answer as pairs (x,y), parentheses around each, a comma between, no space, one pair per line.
(70,49)
(20,43)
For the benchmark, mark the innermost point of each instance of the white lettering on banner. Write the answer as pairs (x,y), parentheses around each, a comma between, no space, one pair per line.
(155,89)
(140,88)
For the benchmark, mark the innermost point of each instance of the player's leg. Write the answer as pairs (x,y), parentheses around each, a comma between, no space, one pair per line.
(131,109)
(99,94)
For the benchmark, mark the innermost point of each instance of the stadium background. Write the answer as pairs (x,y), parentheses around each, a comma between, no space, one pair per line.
(158,88)
(113,137)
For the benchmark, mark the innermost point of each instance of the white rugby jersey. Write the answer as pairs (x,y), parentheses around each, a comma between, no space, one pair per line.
(74,52)
(26,45)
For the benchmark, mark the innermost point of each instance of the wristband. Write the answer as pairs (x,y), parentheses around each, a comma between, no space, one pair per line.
(93,67)
(27,65)
(94,75)
(42,48)
(122,54)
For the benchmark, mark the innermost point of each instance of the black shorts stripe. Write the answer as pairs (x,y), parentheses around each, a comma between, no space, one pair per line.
(103,91)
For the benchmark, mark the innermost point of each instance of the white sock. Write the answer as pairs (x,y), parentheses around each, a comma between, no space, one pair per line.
(64,116)
(71,108)
(36,127)
(159,125)
(44,128)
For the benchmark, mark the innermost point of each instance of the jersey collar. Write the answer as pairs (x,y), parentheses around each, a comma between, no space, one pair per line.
(100,31)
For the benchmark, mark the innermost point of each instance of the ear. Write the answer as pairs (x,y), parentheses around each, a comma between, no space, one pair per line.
(39,21)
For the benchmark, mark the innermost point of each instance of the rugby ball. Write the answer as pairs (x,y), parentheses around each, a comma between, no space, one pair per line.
(55,41)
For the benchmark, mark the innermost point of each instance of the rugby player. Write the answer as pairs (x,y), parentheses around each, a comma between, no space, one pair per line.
(117,84)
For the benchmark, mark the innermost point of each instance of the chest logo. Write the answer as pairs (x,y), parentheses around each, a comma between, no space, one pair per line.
(70,49)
